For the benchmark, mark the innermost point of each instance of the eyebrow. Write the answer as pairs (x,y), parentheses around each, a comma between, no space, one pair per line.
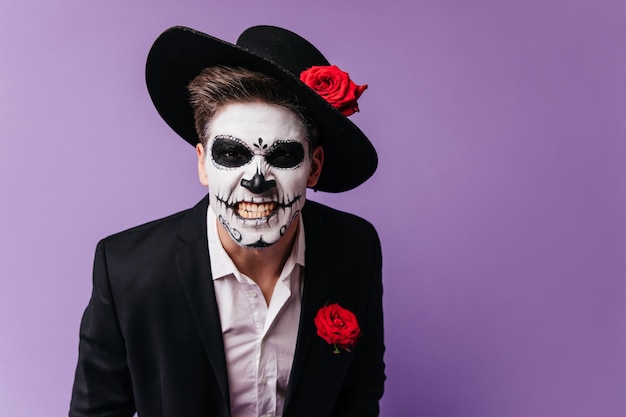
(231,137)
(243,142)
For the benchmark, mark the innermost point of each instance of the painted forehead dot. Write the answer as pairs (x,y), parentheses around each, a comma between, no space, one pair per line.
(260,144)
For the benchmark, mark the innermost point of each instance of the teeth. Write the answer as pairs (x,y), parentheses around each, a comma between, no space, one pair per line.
(255,210)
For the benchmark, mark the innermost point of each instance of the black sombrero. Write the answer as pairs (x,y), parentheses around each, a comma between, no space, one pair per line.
(179,54)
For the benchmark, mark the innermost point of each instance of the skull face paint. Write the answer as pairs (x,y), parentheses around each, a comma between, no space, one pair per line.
(257,164)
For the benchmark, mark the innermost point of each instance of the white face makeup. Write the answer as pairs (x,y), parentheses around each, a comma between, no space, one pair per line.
(257,164)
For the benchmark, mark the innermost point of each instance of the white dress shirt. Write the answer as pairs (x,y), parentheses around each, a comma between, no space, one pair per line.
(259,340)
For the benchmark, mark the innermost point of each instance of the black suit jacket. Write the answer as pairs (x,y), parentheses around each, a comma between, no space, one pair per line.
(151,341)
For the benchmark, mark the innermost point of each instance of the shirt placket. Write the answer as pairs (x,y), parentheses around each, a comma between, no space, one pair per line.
(268,375)
(265,360)
(266,386)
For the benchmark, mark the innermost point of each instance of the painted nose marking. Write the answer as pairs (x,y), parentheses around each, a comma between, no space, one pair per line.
(258,184)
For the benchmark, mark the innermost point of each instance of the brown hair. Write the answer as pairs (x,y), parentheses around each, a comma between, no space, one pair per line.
(216,86)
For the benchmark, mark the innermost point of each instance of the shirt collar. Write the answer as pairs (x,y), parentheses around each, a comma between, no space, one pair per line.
(222,265)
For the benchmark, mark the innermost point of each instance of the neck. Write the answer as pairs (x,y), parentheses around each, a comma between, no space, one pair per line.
(262,265)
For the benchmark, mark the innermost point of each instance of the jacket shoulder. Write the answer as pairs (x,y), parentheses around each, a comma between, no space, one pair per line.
(186,223)
(166,226)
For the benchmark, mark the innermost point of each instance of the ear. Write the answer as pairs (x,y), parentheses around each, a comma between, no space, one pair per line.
(317,161)
(204,180)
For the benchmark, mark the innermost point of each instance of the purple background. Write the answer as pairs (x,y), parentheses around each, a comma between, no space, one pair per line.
(500,194)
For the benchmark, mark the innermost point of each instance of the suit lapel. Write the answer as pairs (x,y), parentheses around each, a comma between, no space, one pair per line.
(315,275)
(194,271)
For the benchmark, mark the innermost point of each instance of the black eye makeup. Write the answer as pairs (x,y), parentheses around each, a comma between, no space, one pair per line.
(230,152)
(285,154)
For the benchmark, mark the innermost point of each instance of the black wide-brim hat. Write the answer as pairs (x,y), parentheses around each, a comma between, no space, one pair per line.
(179,54)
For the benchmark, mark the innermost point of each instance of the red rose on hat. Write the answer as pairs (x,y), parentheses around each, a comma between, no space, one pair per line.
(337,326)
(335,86)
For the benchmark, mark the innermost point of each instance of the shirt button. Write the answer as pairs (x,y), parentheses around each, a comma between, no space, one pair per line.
(252,294)
(264,381)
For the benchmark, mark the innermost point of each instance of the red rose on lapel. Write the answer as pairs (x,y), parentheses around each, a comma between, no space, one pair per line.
(335,86)
(337,326)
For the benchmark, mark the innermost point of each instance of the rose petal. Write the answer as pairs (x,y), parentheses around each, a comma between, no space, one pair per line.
(335,86)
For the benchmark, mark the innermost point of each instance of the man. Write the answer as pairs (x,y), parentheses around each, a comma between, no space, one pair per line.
(252,303)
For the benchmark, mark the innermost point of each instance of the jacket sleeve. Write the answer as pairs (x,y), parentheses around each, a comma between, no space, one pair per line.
(102,384)
(364,384)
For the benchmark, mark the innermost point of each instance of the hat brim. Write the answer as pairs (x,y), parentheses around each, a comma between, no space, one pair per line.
(179,54)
